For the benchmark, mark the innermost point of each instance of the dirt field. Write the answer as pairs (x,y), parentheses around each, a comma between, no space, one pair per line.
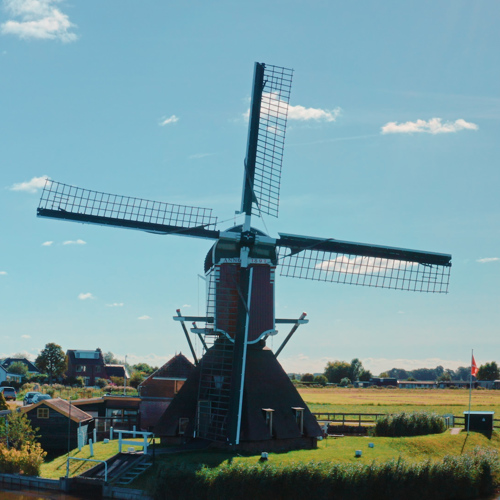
(454,401)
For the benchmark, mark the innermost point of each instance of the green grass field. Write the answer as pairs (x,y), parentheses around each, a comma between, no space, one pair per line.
(337,449)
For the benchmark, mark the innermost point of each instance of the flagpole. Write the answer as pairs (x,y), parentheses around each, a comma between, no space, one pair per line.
(470,388)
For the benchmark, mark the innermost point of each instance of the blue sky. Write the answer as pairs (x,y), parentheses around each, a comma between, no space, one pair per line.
(393,139)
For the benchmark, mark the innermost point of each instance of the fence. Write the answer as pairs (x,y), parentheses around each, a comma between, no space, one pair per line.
(349,418)
(370,419)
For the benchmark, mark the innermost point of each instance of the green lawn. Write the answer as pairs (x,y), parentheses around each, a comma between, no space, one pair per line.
(342,449)
(339,450)
(56,468)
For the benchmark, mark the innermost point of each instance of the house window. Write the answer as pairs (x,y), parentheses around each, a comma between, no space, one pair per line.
(183,423)
(98,369)
(42,413)
(81,368)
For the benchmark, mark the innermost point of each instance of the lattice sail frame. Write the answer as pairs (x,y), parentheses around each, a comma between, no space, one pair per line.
(335,267)
(66,198)
(271,140)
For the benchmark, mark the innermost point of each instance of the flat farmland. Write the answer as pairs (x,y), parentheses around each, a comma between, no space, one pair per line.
(455,401)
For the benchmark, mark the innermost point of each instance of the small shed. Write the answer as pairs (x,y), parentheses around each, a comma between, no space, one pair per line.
(119,412)
(481,421)
(59,421)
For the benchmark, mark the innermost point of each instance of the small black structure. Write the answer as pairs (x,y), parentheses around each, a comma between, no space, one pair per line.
(52,416)
(481,421)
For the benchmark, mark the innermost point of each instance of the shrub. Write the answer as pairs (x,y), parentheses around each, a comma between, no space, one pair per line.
(117,380)
(320,380)
(416,423)
(345,382)
(101,383)
(27,460)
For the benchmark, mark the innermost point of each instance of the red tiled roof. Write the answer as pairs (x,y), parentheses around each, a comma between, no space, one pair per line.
(179,367)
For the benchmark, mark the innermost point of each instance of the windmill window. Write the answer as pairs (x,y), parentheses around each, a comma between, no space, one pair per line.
(42,413)
(299,417)
(268,414)
(183,423)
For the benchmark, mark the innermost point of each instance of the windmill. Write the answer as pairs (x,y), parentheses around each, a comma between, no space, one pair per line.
(239,393)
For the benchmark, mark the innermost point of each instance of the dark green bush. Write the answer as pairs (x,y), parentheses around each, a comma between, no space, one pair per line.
(417,423)
(455,477)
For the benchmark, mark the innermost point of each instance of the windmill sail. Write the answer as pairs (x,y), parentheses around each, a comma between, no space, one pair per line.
(266,139)
(61,201)
(361,264)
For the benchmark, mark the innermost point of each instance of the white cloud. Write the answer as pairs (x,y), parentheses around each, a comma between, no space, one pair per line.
(199,155)
(47,243)
(144,317)
(488,259)
(3,273)
(361,265)
(39,19)
(25,336)
(186,305)
(304,114)
(85,296)
(75,242)
(432,126)
(31,186)
(115,304)
(166,121)
(273,106)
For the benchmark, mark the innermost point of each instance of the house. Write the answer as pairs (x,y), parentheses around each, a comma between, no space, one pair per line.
(59,421)
(460,384)
(32,369)
(87,364)
(417,384)
(6,377)
(117,371)
(384,381)
(158,390)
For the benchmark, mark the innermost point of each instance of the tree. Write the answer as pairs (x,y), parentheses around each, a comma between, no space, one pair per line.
(307,377)
(335,371)
(488,371)
(365,376)
(399,373)
(320,380)
(355,369)
(110,359)
(51,361)
(136,378)
(444,377)
(345,382)
(3,403)
(19,431)
(144,368)
(18,368)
